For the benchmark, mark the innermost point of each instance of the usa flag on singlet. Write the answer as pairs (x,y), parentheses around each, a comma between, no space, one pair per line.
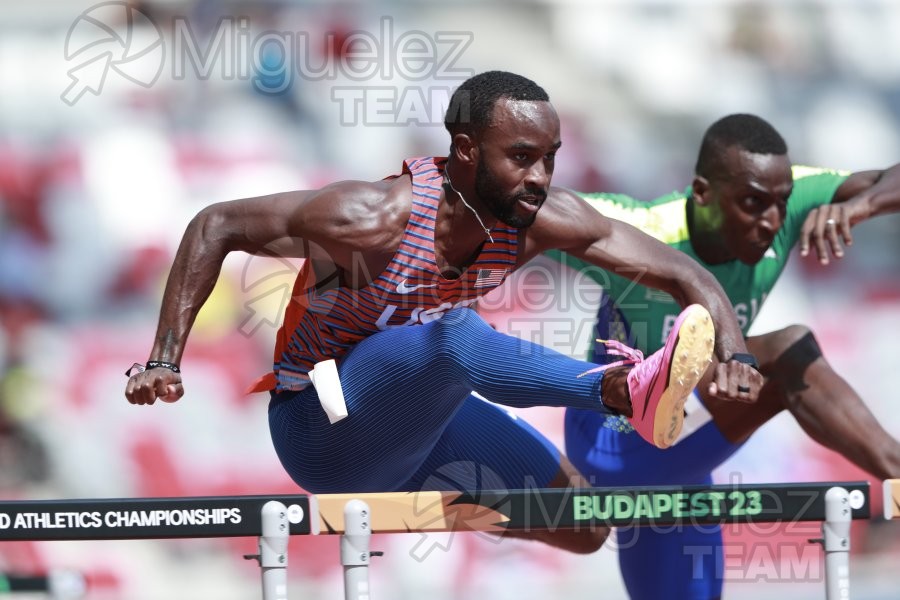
(490,277)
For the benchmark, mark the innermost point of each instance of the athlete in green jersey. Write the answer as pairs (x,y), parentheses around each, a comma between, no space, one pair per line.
(650,312)
(741,216)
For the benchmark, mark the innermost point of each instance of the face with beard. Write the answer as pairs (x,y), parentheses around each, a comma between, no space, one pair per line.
(515,161)
(501,202)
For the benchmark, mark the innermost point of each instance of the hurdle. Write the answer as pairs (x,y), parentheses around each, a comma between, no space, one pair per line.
(355,517)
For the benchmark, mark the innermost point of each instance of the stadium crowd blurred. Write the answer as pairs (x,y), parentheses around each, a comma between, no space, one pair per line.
(95,193)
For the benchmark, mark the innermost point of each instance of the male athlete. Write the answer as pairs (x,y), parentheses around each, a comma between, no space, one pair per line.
(391,269)
(740,217)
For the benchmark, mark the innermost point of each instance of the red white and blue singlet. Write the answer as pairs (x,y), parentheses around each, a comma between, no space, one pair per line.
(411,290)
(410,355)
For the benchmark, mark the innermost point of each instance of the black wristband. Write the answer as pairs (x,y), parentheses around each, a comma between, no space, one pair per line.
(746,358)
(153,364)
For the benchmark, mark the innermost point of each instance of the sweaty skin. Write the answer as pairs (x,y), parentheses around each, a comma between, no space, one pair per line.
(351,230)
(356,226)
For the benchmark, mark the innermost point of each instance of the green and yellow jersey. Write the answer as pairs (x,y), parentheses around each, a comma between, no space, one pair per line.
(650,313)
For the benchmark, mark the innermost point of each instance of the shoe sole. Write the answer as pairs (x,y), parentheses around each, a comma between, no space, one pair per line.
(692,354)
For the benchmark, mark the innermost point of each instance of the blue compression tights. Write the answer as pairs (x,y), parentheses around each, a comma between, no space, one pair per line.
(413,421)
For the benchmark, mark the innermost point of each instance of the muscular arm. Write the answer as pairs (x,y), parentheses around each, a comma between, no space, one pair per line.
(254,225)
(331,225)
(573,226)
(568,223)
(862,196)
(875,192)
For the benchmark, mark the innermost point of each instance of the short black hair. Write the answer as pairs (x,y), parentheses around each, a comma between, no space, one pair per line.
(749,132)
(471,104)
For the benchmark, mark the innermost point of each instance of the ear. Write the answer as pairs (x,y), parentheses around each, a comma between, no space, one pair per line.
(700,190)
(465,149)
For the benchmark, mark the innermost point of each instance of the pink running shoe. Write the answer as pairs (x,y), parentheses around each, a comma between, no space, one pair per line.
(660,384)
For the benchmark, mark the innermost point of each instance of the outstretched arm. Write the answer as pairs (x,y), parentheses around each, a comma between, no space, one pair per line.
(309,224)
(863,195)
(573,226)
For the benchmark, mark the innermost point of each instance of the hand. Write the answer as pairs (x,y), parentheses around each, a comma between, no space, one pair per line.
(826,227)
(159,383)
(734,380)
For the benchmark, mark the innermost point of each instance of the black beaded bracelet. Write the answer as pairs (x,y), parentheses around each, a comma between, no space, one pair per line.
(153,364)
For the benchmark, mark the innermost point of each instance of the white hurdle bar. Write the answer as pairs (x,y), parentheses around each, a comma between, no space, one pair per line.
(357,516)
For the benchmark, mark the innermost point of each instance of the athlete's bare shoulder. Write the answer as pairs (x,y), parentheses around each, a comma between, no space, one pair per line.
(564,221)
(360,215)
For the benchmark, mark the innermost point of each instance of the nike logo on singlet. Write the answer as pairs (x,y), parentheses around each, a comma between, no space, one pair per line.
(402,288)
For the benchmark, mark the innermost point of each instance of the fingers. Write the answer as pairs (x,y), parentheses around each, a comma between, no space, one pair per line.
(829,239)
(844,222)
(827,229)
(147,387)
(823,234)
(806,231)
(736,381)
(173,393)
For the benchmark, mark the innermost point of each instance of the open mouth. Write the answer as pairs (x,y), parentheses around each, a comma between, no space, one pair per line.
(530,203)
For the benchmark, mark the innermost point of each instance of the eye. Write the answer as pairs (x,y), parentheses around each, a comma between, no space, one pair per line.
(751,203)
(781,203)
